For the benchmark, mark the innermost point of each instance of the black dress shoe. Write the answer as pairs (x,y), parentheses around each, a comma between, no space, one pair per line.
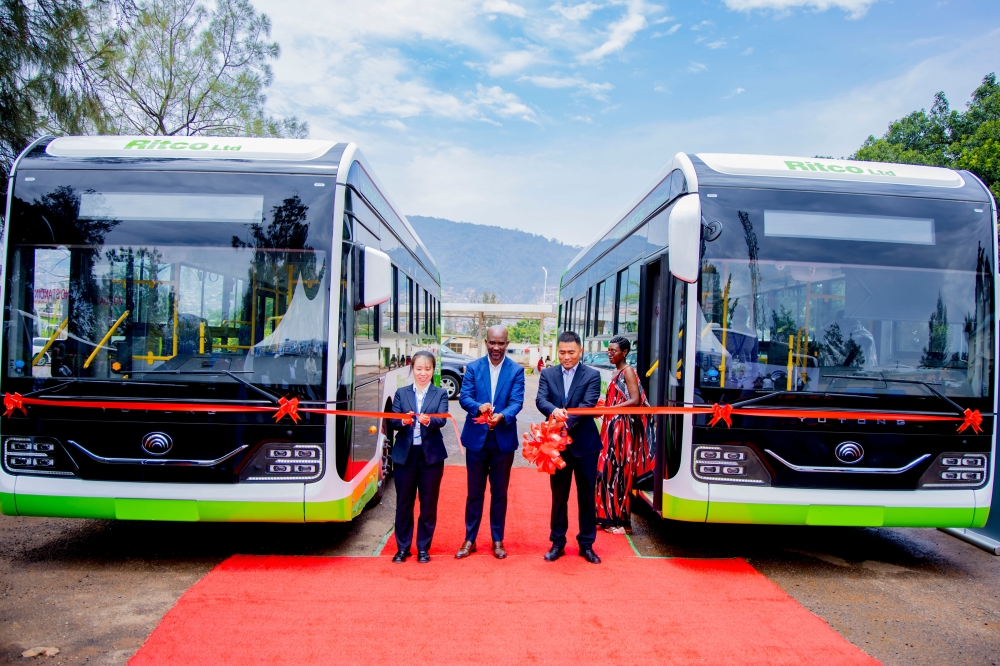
(401,556)
(423,557)
(589,555)
(555,552)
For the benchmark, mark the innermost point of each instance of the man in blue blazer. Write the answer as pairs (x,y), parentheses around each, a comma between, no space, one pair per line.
(493,387)
(567,385)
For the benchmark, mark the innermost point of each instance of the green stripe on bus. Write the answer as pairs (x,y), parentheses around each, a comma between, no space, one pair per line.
(839,515)
(677,508)
(110,508)
(979,518)
(7,505)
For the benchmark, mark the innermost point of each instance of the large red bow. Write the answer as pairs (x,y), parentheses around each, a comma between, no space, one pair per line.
(12,402)
(722,413)
(973,419)
(543,444)
(289,407)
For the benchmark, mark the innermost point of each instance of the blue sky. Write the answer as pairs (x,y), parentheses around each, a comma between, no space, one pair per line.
(549,117)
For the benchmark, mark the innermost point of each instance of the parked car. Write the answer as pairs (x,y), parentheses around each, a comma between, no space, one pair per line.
(37,345)
(453,371)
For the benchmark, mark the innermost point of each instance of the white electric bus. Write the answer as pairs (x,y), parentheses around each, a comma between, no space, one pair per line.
(226,271)
(788,282)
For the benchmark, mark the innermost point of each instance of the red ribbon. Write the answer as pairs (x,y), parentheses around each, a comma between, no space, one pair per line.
(722,413)
(719,412)
(973,419)
(12,402)
(289,407)
(543,444)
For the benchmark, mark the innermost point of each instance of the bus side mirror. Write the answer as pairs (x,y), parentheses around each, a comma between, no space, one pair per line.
(684,238)
(374,271)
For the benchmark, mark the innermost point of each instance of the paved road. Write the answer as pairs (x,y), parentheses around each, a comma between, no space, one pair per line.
(96,589)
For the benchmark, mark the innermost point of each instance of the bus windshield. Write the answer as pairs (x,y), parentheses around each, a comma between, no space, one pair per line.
(168,277)
(842,293)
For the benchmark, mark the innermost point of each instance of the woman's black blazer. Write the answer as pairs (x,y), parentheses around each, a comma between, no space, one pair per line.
(435,402)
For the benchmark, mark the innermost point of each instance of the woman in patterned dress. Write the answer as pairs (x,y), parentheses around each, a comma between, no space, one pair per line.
(627,440)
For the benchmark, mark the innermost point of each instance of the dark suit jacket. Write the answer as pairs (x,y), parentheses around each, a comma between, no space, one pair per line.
(435,402)
(584,392)
(508,401)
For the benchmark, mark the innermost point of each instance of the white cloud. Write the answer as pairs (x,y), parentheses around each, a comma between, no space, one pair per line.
(855,8)
(503,103)
(665,19)
(595,90)
(394,124)
(703,25)
(621,32)
(513,62)
(504,7)
(582,119)
(660,89)
(696,67)
(574,13)
(717,44)
(734,93)
(747,51)
(674,28)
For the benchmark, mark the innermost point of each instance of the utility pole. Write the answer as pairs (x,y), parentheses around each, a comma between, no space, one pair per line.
(541,323)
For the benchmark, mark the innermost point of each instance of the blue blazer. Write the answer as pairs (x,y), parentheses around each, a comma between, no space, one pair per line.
(585,391)
(509,401)
(435,402)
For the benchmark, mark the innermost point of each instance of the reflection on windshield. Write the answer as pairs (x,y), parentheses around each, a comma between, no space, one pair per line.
(787,325)
(107,298)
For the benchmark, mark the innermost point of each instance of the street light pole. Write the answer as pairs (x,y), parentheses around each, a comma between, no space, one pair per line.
(541,323)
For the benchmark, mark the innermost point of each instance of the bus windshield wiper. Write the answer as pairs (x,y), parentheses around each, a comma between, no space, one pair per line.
(233,374)
(825,394)
(927,385)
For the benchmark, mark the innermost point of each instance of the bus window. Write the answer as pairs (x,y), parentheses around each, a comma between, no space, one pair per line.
(604,312)
(628,299)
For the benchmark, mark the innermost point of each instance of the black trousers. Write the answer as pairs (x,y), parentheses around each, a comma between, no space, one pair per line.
(487,463)
(413,477)
(584,469)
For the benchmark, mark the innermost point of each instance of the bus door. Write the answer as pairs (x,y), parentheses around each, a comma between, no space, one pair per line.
(648,483)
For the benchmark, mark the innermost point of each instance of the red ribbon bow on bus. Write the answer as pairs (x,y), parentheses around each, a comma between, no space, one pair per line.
(973,419)
(12,402)
(722,413)
(289,407)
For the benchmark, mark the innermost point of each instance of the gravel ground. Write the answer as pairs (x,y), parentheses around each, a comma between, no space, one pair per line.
(96,589)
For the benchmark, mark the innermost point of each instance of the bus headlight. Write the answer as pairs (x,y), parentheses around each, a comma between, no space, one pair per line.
(36,455)
(726,463)
(277,462)
(956,470)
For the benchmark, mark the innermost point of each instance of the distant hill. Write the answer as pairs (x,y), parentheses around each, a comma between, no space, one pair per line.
(474,258)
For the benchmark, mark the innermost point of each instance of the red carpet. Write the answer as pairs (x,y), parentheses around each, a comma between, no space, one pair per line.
(627,610)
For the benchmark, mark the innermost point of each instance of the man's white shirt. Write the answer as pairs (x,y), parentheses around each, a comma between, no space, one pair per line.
(494,378)
(568,376)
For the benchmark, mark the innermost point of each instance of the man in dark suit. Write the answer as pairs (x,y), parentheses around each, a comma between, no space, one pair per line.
(573,384)
(493,387)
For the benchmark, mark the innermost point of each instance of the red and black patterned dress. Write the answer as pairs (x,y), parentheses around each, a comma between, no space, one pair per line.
(627,454)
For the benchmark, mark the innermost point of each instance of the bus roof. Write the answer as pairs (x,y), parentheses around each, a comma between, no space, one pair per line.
(205,153)
(817,174)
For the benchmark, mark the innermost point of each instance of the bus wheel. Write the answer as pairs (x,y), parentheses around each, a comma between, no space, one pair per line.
(386,471)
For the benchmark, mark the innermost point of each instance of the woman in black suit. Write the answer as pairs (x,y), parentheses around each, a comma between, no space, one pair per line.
(418,456)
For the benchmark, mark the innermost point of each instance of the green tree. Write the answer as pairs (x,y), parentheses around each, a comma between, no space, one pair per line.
(42,83)
(175,67)
(946,137)
(524,332)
